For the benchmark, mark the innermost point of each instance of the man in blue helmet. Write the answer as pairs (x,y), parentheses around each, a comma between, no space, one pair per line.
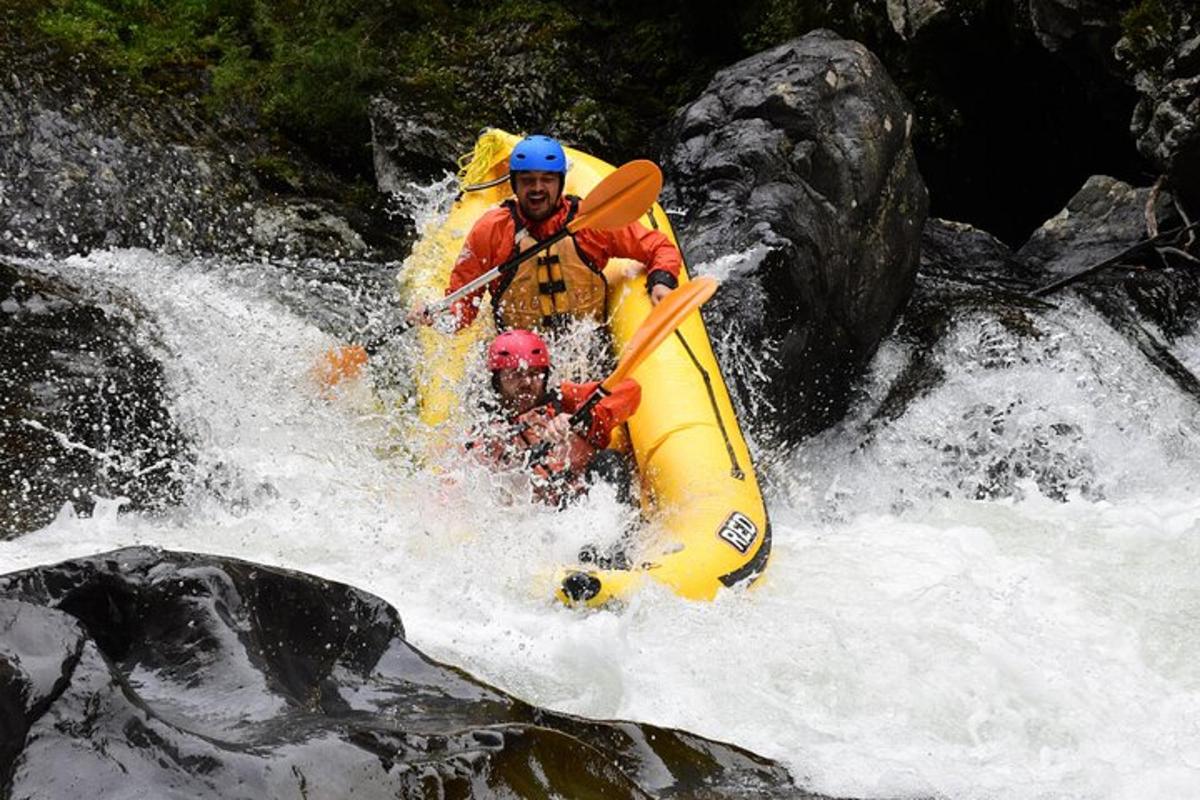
(566,281)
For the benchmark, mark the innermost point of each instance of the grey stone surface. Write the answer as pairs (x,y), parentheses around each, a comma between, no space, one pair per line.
(83,410)
(159,674)
(796,167)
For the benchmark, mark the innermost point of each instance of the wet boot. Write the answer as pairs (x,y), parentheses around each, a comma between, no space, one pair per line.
(616,469)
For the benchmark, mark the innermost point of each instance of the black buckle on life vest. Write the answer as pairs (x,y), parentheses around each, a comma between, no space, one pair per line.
(545,261)
(552,287)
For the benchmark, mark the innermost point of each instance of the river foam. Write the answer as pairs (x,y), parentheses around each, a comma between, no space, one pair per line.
(905,640)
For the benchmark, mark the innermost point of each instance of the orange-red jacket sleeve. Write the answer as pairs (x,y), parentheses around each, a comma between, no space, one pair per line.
(610,412)
(635,241)
(488,244)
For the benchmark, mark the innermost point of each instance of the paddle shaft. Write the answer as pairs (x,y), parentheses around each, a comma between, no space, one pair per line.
(483,280)
(617,200)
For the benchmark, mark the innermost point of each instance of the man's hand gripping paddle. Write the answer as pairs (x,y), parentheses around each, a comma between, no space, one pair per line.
(626,194)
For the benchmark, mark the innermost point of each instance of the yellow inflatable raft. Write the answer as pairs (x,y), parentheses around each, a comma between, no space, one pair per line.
(698,484)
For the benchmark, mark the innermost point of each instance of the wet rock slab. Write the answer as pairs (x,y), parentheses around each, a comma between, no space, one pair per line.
(83,409)
(157,674)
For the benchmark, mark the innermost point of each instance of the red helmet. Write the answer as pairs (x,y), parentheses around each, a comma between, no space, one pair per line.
(517,349)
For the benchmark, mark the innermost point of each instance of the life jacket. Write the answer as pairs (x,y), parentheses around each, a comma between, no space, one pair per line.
(552,288)
(556,470)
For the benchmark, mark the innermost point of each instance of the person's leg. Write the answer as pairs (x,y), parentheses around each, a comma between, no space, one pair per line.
(613,468)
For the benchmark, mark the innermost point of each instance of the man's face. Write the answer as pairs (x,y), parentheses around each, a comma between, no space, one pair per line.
(520,389)
(537,193)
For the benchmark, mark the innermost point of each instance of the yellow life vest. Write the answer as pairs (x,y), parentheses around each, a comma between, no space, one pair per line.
(553,287)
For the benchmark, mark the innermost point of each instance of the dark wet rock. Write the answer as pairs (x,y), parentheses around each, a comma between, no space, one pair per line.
(957,251)
(964,271)
(1169,297)
(1150,297)
(1124,313)
(89,162)
(1083,33)
(1101,220)
(796,164)
(909,17)
(303,227)
(83,412)
(412,145)
(970,310)
(1166,121)
(1150,293)
(197,676)
(38,649)
(81,172)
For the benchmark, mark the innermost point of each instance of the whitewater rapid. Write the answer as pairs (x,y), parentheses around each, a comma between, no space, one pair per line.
(907,639)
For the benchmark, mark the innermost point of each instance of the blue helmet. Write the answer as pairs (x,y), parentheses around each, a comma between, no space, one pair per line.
(538,153)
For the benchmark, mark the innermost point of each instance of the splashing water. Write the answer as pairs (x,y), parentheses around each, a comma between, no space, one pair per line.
(914,635)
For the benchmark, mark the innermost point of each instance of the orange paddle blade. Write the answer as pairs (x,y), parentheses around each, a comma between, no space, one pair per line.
(335,366)
(628,192)
(660,323)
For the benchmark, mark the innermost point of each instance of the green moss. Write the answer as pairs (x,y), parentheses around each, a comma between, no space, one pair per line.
(278,173)
(1148,34)
(306,69)
(604,75)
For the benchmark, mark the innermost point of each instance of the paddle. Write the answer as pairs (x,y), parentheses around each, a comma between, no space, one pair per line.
(660,323)
(620,198)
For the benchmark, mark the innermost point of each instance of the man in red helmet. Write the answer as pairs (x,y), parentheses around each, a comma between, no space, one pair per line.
(530,425)
(565,282)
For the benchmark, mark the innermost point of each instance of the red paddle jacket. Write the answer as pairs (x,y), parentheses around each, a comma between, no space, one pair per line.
(505,443)
(491,242)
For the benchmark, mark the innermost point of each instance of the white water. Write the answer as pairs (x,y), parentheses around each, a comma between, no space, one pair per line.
(902,643)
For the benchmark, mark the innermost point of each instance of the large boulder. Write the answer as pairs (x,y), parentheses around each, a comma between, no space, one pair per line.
(83,410)
(1166,121)
(169,674)
(795,174)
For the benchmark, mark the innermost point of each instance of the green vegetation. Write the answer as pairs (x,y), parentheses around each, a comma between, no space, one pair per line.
(1150,31)
(305,68)
(602,77)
